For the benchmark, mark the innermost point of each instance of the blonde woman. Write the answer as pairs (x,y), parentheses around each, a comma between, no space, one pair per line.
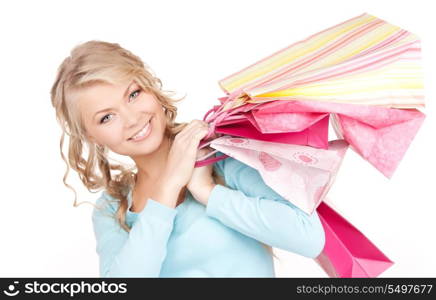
(162,217)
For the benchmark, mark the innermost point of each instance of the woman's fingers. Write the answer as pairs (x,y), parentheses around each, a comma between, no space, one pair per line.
(199,134)
(192,131)
(188,130)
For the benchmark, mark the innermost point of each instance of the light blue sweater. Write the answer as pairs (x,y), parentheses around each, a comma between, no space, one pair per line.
(221,239)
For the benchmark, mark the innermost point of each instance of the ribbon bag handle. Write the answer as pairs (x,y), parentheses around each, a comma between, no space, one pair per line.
(209,161)
(203,161)
(217,116)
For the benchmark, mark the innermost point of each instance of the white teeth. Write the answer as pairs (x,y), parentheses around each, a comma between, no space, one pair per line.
(142,132)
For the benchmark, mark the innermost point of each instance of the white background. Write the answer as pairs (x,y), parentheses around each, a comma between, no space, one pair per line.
(190,45)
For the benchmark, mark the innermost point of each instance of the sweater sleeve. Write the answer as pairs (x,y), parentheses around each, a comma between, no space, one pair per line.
(251,207)
(139,253)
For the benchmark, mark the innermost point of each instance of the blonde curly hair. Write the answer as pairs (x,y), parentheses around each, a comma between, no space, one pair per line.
(95,62)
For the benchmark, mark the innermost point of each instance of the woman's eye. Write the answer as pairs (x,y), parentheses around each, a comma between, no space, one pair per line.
(133,93)
(102,120)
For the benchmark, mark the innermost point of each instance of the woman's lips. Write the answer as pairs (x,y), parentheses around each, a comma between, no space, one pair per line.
(143,134)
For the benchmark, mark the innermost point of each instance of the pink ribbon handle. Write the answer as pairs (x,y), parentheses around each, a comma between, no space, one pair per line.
(213,109)
(201,163)
(217,116)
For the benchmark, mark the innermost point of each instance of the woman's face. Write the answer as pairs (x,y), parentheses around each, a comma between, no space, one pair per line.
(122,117)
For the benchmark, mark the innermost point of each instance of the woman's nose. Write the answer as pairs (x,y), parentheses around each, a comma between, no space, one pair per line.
(130,117)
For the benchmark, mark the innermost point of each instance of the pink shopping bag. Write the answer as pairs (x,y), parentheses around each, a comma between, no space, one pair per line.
(315,135)
(380,135)
(347,252)
(300,174)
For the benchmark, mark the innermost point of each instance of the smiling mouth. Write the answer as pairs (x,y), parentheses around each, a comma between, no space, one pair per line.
(140,134)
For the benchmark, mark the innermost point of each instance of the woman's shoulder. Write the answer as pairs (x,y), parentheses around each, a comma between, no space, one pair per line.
(232,169)
(245,178)
(106,203)
(228,163)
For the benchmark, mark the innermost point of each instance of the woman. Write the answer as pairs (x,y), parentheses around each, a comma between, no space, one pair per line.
(162,217)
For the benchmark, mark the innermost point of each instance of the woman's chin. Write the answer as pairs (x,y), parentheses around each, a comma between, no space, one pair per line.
(146,147)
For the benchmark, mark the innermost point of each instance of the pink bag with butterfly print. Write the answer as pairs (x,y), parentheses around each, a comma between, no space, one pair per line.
(300,174)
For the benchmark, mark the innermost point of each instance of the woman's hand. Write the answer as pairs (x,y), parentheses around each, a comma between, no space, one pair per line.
(202,183)
(183,154)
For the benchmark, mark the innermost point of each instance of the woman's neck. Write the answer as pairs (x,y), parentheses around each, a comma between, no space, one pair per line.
(150,167)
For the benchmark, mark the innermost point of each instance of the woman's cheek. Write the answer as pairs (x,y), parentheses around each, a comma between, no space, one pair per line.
(113,136)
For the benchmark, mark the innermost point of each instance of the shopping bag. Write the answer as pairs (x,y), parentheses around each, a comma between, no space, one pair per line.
(378,134)
(300,174)
(364,60)
(347,251)
(315,135)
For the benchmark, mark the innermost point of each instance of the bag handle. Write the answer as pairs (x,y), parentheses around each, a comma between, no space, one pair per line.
(217,116)
(209,161)
(217,109)
(204,161)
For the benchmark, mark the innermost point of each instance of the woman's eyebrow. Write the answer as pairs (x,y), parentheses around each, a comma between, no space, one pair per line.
(124,96)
